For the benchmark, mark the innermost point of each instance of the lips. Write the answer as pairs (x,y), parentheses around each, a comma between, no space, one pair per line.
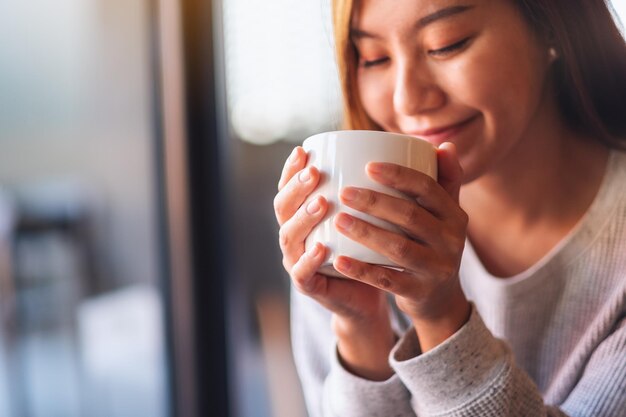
(439,135)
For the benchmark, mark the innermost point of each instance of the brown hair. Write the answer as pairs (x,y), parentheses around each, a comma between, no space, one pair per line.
(354,115)
(590,74)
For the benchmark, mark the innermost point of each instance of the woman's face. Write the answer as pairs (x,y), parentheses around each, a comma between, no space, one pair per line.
(469,72)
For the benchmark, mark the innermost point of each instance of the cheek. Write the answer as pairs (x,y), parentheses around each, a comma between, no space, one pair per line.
(507,99)
(505,89)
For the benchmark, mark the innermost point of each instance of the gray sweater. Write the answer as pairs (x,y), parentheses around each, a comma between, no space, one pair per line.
(550,341)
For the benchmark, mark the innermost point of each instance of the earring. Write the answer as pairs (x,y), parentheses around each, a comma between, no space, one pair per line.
(553,54)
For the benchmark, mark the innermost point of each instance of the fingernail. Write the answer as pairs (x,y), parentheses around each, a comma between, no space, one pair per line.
(343,264)
(293,158)
(344,221)
(350,194)
(305,175)
(313,207)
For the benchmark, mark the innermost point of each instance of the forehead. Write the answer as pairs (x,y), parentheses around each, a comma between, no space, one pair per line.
(383,20)
(387,15)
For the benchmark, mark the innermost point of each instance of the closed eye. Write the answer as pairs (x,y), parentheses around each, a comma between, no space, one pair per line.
(368,64)
(447,50)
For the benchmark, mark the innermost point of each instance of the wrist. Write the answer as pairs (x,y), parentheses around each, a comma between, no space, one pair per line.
(434,330)
(363,348)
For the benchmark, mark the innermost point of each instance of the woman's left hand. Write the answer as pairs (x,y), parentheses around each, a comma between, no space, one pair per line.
(428,289)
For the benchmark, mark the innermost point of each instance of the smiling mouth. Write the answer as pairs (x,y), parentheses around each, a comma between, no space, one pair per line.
(439,135)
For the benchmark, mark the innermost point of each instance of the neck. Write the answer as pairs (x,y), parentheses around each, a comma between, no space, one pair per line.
(539,181)
(535,196)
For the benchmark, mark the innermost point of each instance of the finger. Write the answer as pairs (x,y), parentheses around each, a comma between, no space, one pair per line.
(398,249)
(450,171)
(427,192)
(408,215)
(386,279)
(304,272)
(295,230)
(293,194)
(295,162)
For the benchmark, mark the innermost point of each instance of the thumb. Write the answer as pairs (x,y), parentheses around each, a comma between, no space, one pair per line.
(450,171)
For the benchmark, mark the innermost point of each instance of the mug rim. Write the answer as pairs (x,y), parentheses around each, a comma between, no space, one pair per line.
(368,134)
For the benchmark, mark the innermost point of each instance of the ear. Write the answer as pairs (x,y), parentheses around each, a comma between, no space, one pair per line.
(553,54)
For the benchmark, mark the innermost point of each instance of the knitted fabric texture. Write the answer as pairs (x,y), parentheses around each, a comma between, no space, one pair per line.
(550,341)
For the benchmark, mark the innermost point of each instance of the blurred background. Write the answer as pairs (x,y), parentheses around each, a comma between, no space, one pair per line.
(140,146)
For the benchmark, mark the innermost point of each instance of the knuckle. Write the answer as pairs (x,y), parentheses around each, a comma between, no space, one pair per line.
(446,271)
(287,264)
(400,248)
(283,238)
(384,281)
(302,283)
(459,241)
(278,206)
(458,246)
(361,231)
(299,283)
(453,240)
(410,215)
(276,202)
(358,272)
(371,199)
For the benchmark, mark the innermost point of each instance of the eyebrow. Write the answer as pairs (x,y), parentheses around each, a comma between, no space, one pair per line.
(446,12)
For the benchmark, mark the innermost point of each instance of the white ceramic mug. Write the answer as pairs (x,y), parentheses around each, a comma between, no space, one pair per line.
(341,158)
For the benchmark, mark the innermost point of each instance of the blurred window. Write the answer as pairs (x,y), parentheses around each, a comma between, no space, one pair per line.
(280,69)
(81,320)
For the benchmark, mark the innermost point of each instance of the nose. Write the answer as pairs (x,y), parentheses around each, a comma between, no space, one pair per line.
(415,90)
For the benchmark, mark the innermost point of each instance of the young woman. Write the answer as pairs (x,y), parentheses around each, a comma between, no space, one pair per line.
(512,298)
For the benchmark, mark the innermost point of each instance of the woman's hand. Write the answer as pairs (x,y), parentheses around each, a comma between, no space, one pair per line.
(428,289)
(361,317)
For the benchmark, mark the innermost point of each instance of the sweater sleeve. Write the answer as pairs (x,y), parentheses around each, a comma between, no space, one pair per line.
(473,373)
(601,390)
(329,390)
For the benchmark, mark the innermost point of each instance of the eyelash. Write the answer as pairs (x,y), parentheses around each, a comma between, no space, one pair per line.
(368,64)
(449,49)
(441,52)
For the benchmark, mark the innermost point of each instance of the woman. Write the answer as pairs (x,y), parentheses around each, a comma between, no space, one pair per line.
(512,300)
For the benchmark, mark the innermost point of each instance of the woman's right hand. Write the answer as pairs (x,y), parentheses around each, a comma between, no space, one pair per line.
(361,312)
